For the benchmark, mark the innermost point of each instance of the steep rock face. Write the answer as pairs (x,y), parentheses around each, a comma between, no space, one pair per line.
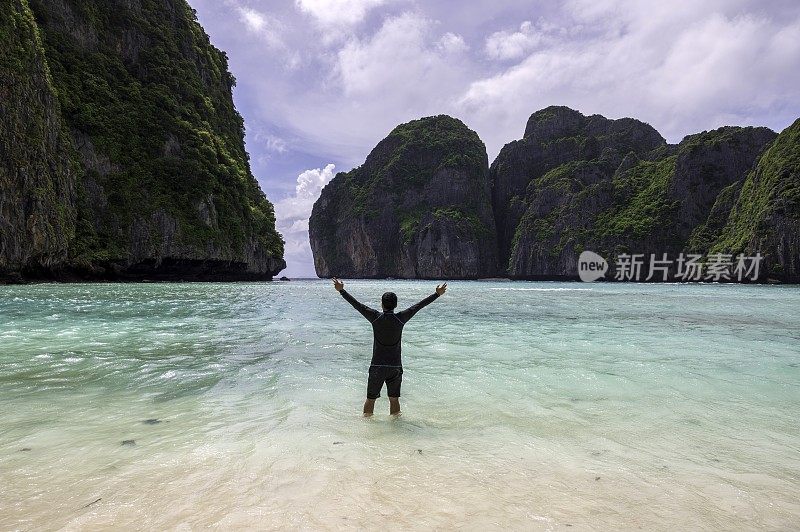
(672,200)
(37,177)
(766,215)
(165,189)
(419,207)
(592,147)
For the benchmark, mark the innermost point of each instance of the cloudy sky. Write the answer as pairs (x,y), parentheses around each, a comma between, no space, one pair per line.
(320,82)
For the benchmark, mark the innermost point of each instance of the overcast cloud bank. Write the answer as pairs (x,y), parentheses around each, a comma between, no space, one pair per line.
(320,82)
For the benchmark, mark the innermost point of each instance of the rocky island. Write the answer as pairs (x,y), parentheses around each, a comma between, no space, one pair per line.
(121,153)
(572,183)
(611,186)
(419,207)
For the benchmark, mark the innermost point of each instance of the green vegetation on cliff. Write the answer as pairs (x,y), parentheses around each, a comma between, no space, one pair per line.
(772,188)
(562,158)
(418,207)
(587,187)
(37,174)
(153,95)
(394,167)
(656,198)
(407,159)
(765,218)
(641,201)
(704,235)
(151,128)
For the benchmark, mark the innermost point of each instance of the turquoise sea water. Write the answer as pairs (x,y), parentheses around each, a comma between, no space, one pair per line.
(525,406)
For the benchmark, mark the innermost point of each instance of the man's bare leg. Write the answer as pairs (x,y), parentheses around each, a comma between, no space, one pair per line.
(369,407)
(394,406)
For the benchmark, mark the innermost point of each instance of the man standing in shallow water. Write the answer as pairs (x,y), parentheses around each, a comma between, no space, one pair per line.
(387,328)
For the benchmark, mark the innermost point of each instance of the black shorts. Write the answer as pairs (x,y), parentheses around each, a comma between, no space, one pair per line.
(391,375)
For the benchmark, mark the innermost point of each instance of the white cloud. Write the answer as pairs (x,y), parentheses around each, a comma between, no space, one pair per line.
(682,66)
(338,12)
(355,96)
(375,82)
(292,215)
(262,24)
(506,45)
(293,60)
(274,144)
(452,43)
(401,64)
(254,20)
(395,55)
(263,145)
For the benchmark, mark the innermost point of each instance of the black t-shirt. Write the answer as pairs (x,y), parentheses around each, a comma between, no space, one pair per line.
(387,328)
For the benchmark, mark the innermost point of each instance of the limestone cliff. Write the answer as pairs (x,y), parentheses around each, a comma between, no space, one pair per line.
(766,215)
(660,203)
(561,152)
(37,176)
(162,183)
(418,207)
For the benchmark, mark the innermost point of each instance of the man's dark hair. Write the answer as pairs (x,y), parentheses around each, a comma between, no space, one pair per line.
(389,300)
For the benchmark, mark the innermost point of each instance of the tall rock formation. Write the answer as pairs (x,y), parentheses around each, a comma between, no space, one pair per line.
(419,207)
(657,201)
(561,153)
(37,176)
(162,183)
(766,215)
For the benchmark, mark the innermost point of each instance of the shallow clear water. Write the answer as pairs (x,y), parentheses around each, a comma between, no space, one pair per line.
(525,405)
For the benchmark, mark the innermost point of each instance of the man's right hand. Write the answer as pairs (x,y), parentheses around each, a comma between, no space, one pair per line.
(338,285)
(441,289)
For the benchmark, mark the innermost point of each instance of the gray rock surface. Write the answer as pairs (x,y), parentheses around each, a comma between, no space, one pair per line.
(417,208)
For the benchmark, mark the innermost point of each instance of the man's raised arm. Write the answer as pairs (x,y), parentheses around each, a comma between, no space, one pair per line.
(408,313)
(367,312)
